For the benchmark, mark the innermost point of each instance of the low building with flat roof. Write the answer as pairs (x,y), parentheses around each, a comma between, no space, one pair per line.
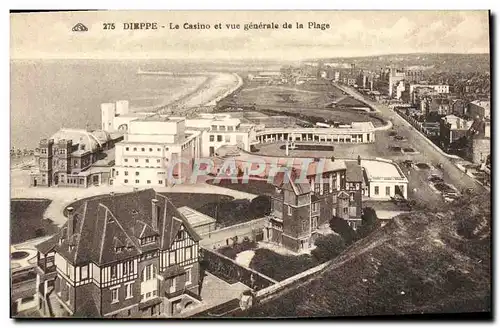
(201,223)
(384,179)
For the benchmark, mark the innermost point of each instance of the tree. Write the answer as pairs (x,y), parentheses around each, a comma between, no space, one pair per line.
(328,247)
(260,206)
(341,227)
(369,222)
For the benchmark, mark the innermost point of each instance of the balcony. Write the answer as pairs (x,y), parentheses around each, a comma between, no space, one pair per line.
(46,267)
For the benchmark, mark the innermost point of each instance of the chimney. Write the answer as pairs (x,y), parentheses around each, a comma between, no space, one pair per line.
(71,222)
(155,215)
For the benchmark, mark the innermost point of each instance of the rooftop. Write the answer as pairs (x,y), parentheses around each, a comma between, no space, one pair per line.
(382,170)
(106,222)
(194,217)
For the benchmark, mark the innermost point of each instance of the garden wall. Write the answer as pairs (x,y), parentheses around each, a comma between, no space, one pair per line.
(226,236)
(228,270)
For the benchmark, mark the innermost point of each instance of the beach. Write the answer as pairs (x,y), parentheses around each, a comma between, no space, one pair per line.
(49,95)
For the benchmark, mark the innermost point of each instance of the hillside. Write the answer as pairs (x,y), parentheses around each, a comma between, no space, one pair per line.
(439,62)
(423,262)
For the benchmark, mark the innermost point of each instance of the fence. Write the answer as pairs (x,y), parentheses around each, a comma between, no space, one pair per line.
(227,269)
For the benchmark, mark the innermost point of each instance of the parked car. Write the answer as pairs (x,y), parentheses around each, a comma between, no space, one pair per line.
(435,178)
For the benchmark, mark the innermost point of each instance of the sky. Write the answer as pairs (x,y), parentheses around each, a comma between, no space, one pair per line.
(351,34)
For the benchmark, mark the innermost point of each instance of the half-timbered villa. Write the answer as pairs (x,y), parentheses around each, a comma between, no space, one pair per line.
(123,255)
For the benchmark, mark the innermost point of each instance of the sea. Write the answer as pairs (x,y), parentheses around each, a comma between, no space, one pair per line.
(47,95)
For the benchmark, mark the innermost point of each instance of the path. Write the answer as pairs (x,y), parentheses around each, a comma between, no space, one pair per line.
(62,197)
(421,143)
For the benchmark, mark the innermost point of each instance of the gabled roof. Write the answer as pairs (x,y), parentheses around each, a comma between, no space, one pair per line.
(354,172)
(105,223)
(290,180)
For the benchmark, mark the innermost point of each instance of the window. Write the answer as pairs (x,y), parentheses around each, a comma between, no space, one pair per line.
(351,196)
(147,160)
(315,207)
(189,252)
(172,258)
(352,211)
(158,161)
(305,225)
(135,149)
(172,285)
(125,181)
(148,181)
(357,186)
(214,127)
(345,210)
(222,127)
(160,182)
(376,190)
(126,172)
(387,191)
(136,173)
(148,294)
(227,138)
(219,138)
(188,276)
(113,271)
(114,295)
(125,268)
(136,181)
(154,292)
(317,188)
(212,138)
(84,272)
(289,210)
(116,173)
(142,149)
(158,149)
(180,235)
(129,291)
(126,148)
(150,149)
(136,160)
(126,160)
(230,128)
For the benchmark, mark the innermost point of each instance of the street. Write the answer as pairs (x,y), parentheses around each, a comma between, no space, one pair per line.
(450,172)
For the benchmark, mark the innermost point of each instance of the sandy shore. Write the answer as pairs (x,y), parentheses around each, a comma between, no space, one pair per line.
(214,88)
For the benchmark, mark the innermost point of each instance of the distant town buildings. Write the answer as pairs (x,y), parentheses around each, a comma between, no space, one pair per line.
(478,109)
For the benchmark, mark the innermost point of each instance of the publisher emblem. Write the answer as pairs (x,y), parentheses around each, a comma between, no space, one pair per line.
(80,28)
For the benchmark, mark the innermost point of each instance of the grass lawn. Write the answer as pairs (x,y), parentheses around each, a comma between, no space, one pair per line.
(280,267)
(256,187)
(225,209)
(26,220)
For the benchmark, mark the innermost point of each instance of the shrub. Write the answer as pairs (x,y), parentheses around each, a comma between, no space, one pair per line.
(328,247)
(369,222)
(260,206)
(341,227)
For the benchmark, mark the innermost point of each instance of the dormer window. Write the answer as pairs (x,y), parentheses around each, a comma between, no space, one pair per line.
(180,235)
(149,240)
(119,249)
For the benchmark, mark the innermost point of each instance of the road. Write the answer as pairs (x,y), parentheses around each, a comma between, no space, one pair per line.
(451,173)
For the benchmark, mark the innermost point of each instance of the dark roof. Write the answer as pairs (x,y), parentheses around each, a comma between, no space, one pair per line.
(104,223)
(290,180)
(87,310)
(47,245)
(172,271)
(354,172)
(149,303)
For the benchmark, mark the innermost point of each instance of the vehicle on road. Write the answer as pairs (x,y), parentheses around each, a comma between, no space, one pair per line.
(435,178)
